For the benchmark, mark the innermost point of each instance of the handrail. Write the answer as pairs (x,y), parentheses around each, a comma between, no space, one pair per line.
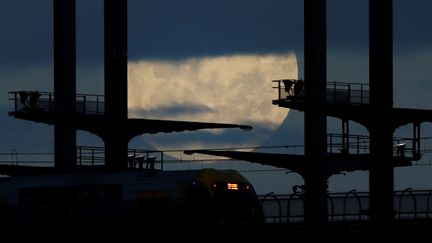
(353,192)
(137,157)
(337,92)
(409,191)
(332,212)
(360,143)
(91,156)
(427,203)
(300,196)
(271,194)
(338,202)
(44,102)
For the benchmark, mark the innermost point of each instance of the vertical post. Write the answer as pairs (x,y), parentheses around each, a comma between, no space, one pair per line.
(16,101)
(84,104)
(97,104)
(349,94)
(64,83)
(345,136)
(116,142)
(92,156)
(50,103)
(80,155)
(162,160)
(315,120)
(279,90)
(416,140)
(381,177)
(358,144)
(331,143)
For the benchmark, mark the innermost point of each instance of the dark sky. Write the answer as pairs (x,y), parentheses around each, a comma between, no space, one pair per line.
(178,29)
(173,30)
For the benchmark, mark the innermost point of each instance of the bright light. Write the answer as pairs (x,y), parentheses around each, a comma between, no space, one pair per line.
(226,89)
(232,186)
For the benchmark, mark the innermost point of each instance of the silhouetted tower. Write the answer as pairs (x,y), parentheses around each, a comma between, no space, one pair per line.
(69,112)
(64,83)
(381,103)
(315,119)
(116,113)
(370,106)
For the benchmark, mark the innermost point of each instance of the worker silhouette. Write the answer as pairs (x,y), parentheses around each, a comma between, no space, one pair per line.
(23,96)
(288,83)
(151,162)
(131,160)
(34,100)
(401,150)
(298,189)
(140,161)
(298,87)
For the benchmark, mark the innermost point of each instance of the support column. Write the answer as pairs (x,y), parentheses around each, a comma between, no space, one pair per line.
(416,140)
(381,177)
(115,137)
(315,120)
(345,137)
(64,83)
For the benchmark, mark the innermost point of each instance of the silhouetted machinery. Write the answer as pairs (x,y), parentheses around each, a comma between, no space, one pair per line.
(136,197)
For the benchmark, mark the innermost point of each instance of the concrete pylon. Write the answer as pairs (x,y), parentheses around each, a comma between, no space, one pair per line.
(116,113)
(315,120)
(381,177)
(64,83)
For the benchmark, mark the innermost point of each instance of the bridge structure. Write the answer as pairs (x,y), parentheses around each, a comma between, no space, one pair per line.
(348,214)
(370,105)
(103,115)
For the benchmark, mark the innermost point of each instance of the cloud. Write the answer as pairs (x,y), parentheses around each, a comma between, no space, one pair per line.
(347,23)
(203,139)
(348,65)
(25,78)
(23,136)
(172,110)
(208,139)
(234,88)
(195,28)
(412,72)
(412,24)
(226,89)
(413,78)
(26,32)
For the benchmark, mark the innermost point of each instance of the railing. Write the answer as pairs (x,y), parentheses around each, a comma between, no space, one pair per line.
(360,144)
(145,159)
(350,206)
(407,147)
(336,92)
(137,158)
(44,102)
(90,156)
(350,144)
(347,93)
(289,89)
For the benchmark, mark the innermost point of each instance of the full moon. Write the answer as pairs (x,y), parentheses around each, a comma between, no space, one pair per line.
(225,89)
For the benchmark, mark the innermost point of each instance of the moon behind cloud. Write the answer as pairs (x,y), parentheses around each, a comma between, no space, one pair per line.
(226,89)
